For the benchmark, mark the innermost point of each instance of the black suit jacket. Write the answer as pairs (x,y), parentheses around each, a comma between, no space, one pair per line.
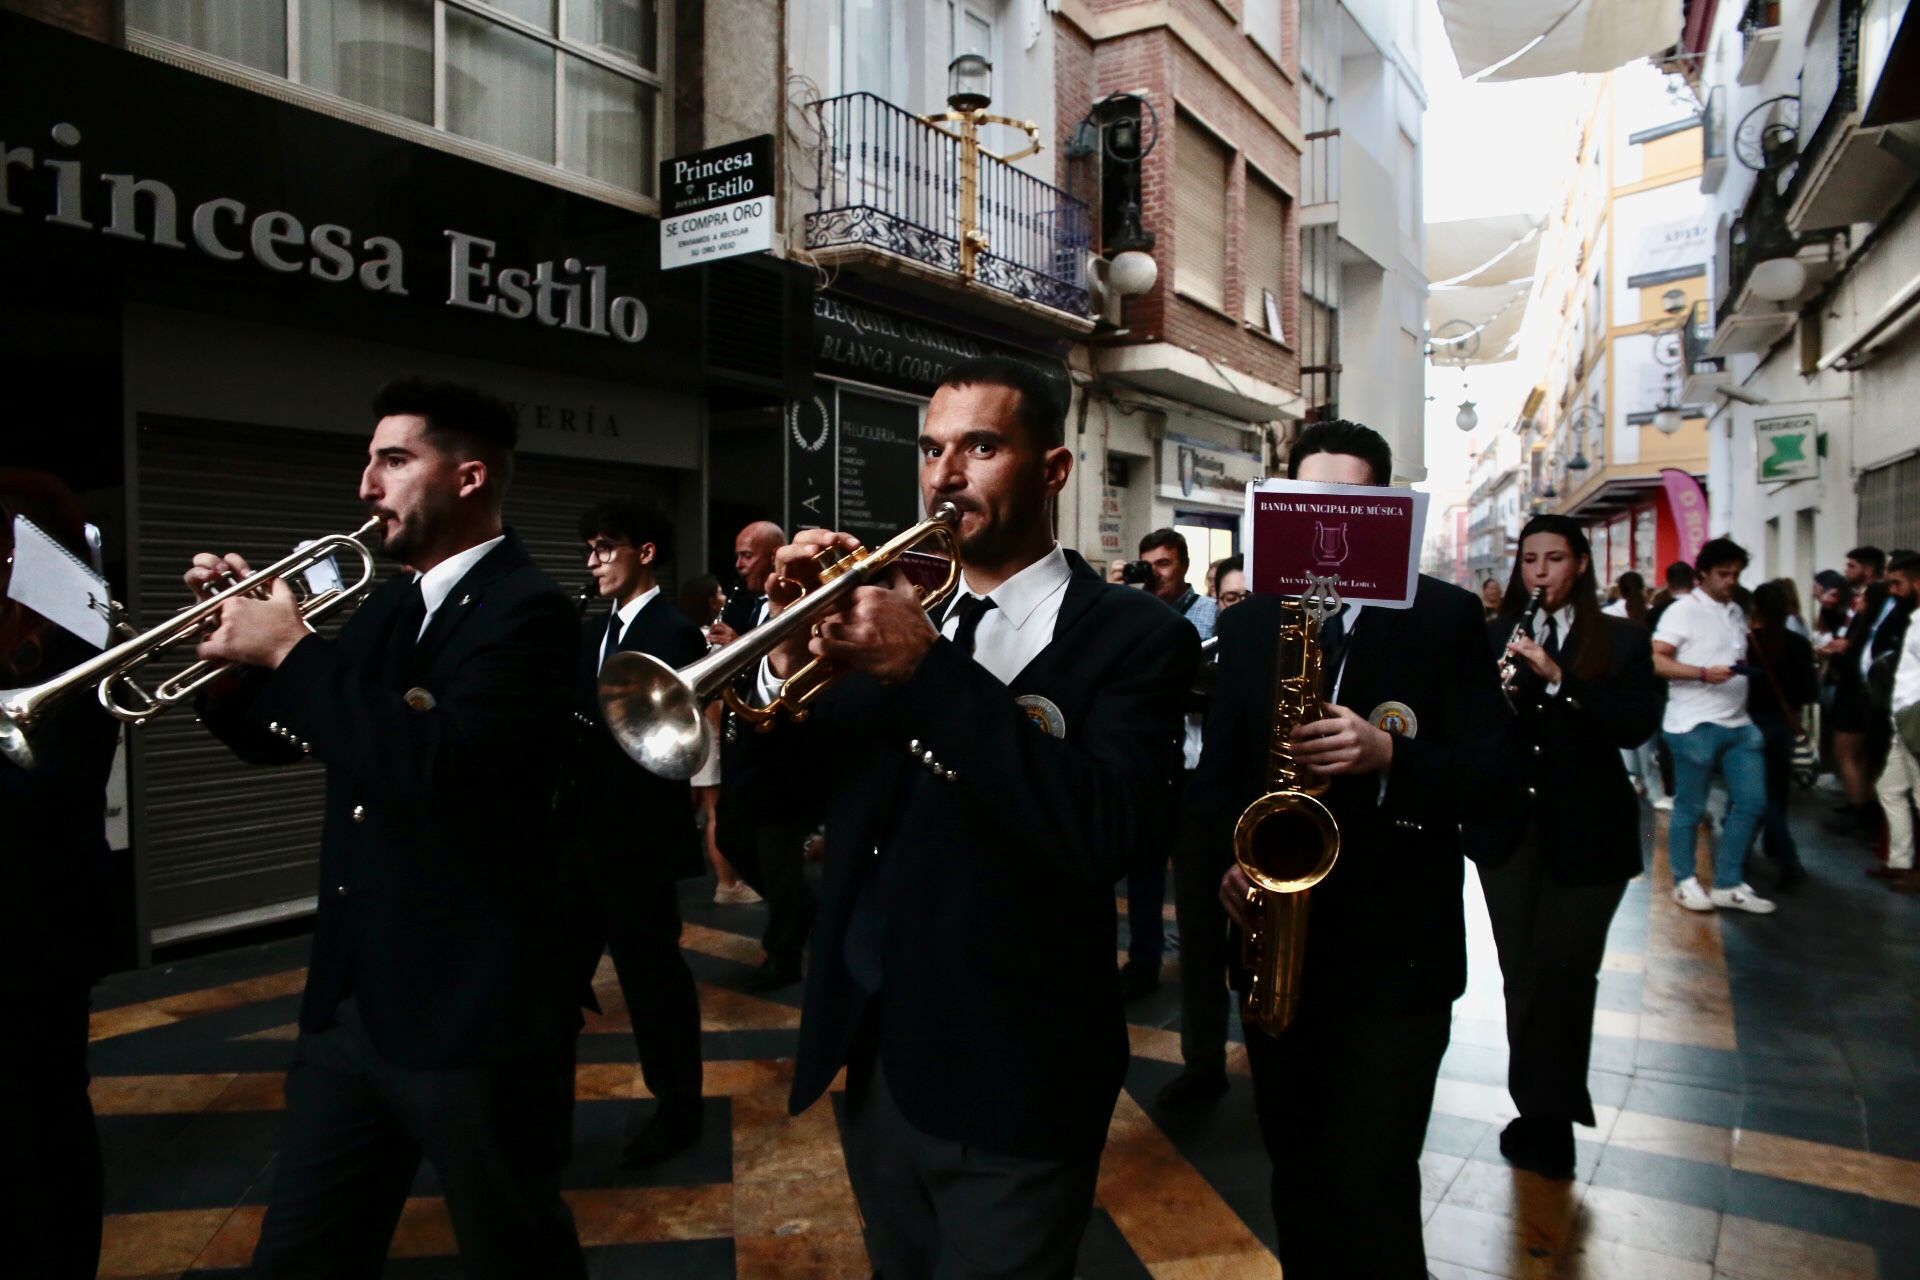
(1386,931)
(1888,639)
(1577,797)
(619,817)
(1003,1027)
(438,882)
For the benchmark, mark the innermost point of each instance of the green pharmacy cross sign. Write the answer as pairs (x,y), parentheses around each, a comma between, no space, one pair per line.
(1788,448)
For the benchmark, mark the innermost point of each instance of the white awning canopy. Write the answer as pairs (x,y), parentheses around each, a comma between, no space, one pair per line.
(1480,251)
(1495,311)
(1521,39)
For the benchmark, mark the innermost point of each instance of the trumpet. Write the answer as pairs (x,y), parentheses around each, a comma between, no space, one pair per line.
(654,711)
(111,671)
(1287,840)
(1509,668)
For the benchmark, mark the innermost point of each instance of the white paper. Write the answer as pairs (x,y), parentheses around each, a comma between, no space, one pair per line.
(50,581)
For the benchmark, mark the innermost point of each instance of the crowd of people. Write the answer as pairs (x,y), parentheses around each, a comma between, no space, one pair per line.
(974,787)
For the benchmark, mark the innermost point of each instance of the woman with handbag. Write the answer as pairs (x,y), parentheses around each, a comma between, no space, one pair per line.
(1555,864)
(1777,701)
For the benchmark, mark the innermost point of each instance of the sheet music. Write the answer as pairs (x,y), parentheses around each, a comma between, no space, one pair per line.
(51,581)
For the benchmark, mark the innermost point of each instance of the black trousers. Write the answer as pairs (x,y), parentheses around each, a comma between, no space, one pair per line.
(639,921)
(771,858)
(1343,1100)
(1776,837)
(1146,900)
(940,1210)
(357,1127)
(1551,938)
(1204,946)
(50,1193)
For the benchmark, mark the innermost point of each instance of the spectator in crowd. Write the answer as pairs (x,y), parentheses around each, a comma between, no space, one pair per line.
(1679,579)
(1796,620)
(1165,553)
(1630,599)
(1642,762)
(1490,598)
(702,599)
(1700,641)
(1830,609)
(1230,584)
(1899,786)
(1876,629)
(1778,694)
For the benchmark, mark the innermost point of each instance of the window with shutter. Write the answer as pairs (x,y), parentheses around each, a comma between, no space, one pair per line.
(1262,21)
(1263,257)
(1200,214)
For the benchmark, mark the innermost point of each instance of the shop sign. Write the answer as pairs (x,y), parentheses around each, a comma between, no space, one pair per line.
(1788,448)
(866,343)
(237,199)
(1192,468)
(717,203)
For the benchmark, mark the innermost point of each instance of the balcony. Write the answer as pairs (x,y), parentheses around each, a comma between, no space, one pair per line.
(1759,39)
(890,198)
(1768,269)
(1850,168)
(1713,140)
(1701,374)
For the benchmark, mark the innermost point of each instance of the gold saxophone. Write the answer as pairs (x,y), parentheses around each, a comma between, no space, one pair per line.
(1287,841)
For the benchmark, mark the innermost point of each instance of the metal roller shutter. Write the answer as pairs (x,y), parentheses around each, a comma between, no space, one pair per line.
(226,845)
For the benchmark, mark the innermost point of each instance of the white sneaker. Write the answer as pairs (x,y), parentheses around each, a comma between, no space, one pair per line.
(1690,895)
(1664,804)
(737,894)
(1742,898)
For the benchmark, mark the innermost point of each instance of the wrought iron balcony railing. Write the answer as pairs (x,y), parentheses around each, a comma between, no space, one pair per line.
(890,181)
(1696,333)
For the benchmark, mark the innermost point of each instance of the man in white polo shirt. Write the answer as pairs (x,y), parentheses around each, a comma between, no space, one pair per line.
(1700,646)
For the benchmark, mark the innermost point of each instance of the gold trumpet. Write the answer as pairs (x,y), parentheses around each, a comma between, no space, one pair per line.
(654,710)
(110,672)
(1287,841)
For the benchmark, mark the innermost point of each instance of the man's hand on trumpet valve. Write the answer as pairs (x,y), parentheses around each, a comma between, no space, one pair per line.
(251,630)
(881,630)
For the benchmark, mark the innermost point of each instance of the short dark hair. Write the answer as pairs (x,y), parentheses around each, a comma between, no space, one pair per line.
(1904,561)
(458,417)
(1341,436)
(1772,605)
(1235,563)
(635,520)
(1166,538)
(1719,551)
(1872,557)
(1489,580)
(1041,413)
(1679,576)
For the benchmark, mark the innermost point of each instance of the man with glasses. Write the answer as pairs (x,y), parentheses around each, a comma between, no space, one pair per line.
(629,835)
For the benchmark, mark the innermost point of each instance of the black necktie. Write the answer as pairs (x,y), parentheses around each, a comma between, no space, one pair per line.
(970,610)
(1552,641)
(612,642)
(1332,639)
(405,633)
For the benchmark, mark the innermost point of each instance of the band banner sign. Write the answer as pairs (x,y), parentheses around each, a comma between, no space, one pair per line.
(1367,537)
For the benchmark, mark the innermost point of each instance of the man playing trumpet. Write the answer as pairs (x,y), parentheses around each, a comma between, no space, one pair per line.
(990,773)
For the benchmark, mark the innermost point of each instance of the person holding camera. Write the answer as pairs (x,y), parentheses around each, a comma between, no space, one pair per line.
(1162,569)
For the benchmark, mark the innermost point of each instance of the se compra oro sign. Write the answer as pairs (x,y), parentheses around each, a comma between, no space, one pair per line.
(717,203)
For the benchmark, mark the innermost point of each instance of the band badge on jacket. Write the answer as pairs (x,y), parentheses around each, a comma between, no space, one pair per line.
(1396,718)
(420,699)
(1043,713)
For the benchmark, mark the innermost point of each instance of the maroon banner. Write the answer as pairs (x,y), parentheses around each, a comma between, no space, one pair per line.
(1366,537)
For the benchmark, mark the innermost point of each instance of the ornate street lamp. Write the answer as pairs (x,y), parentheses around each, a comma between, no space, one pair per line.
(969,94)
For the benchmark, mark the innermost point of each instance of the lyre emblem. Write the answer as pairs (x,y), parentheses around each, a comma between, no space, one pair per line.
(1329,542)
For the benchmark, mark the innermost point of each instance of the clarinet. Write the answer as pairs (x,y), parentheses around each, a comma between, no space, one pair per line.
(1509,668)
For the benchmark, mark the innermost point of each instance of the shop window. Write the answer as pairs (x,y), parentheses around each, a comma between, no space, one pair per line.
(1210,537)
(572,85)
(1201,162)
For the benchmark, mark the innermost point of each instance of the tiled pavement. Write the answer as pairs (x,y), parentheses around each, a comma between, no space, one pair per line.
(1756,1079)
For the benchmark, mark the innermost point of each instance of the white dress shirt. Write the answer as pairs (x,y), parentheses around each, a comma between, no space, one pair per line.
(626,613)
(438,582)
(1010,635)
(1906,675)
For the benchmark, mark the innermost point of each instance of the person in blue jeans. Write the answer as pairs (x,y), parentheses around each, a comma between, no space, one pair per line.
(1700,648)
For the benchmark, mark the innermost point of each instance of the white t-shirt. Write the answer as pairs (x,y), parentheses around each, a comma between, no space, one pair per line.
(1704,633)
(1618,609)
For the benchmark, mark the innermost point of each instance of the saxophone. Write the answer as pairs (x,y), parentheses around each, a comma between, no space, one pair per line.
(1287,840)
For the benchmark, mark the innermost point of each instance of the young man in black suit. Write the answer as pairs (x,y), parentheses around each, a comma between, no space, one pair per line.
(439,1016)
(989,776)
(1344,1093)
(630,836)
